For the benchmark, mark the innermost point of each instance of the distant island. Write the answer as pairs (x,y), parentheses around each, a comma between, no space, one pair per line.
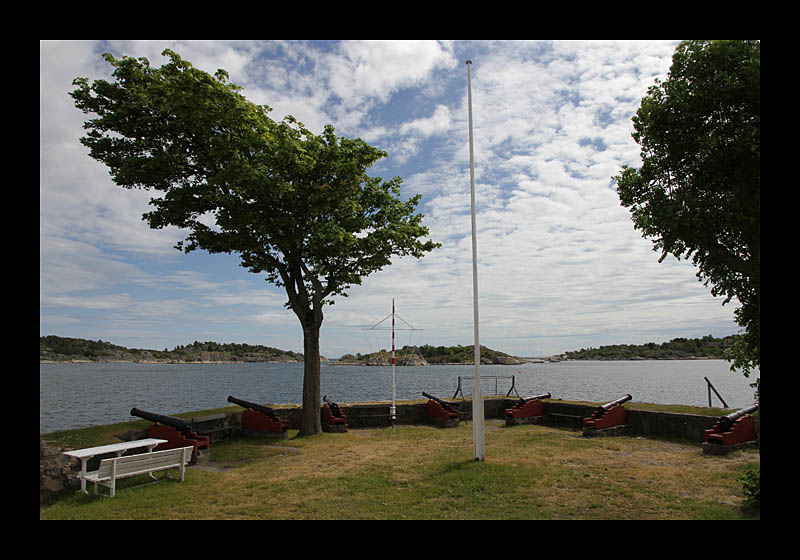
(63,349)
(428,355)
(708,348)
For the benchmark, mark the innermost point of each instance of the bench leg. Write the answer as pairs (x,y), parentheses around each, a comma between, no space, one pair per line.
(182,468)
(113,485)
(84,461)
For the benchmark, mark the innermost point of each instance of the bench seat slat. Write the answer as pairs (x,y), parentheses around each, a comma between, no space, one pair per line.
(132,469)
(135,462)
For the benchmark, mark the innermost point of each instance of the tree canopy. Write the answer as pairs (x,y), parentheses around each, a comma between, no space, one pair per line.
(698,191)
(296,206)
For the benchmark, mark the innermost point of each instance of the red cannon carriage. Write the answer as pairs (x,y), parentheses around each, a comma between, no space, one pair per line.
(261,419)
(442,412)
(609,415)
(333,420)
(735,428)
(527,408)
(177,432)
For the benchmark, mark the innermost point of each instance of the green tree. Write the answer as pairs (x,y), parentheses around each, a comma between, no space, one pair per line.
(698,191)
(296,206)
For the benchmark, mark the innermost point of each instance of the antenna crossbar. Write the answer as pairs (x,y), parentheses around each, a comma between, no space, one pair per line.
(377,327)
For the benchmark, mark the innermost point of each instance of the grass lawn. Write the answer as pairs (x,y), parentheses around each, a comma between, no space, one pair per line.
(421,472)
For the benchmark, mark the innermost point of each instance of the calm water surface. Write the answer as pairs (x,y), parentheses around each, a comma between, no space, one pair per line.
(80,395)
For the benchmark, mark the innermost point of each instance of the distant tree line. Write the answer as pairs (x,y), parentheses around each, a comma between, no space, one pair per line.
(231,347)
(59,348)
(675,349)
(88,349)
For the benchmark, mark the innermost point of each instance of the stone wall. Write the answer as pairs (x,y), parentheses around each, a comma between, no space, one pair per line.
(670,424)
(57,472)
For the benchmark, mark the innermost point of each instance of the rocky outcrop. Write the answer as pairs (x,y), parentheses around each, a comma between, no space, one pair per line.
(385,361)
(505,361)
(57,472)
(416,360)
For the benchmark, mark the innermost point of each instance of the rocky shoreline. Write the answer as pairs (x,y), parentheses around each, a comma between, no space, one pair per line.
(205,358)
(355,362)
(350,360)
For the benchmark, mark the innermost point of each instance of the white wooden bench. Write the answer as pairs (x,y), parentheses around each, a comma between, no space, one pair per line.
(85,455)
(121,467)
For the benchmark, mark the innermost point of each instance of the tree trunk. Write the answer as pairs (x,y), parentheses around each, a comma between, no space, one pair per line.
(311,423)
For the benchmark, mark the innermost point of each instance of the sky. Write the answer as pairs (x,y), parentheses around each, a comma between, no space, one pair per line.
(560,266)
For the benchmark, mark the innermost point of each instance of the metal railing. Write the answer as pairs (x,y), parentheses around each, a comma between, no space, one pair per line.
(484,377)
(712,388)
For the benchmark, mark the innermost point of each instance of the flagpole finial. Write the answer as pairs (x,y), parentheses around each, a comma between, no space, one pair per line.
(469,61)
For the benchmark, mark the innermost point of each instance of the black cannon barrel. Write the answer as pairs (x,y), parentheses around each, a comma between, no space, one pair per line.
(253,406)
(608,406)
(181,425)
(537,397)
(445,404)
(728,420)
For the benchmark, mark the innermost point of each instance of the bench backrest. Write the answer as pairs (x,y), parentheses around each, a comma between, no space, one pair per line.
(145,462)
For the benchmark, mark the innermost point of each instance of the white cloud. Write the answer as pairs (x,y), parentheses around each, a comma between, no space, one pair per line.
(560,265)
(437,123)
(73,266)
(377,69)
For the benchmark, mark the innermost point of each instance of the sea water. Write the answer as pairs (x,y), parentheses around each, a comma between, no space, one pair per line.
(88,394)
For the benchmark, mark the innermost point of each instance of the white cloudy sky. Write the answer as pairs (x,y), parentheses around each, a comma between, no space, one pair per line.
(560,265)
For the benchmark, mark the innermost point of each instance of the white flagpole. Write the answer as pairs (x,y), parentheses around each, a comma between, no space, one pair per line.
(478,432)
(393,410)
